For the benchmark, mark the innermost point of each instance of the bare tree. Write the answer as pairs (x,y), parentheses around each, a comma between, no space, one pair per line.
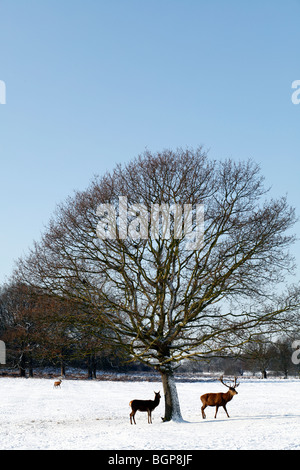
(162,300)
(259,354)
(20,325)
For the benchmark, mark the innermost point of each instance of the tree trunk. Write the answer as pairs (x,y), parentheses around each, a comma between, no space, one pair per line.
(62,368)
(30,366)
(172,406)
(22,365)
(91,363)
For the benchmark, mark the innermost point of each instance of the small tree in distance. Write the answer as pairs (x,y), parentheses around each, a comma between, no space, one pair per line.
(160,300)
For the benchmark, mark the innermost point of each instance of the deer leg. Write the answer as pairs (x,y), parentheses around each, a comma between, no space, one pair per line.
(132,417)
(224,406)
(149,417)
(202,410)
(217,407)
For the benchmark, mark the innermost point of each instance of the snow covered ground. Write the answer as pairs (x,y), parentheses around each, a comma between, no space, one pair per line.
(95,415)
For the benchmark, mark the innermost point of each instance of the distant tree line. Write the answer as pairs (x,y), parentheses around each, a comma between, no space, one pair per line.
(264,358)
(41,330)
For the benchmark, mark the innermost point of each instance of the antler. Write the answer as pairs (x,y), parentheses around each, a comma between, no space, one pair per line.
(222,382)
(229,386)
(235,384)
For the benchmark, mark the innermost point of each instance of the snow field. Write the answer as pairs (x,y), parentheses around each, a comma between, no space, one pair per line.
(95,415)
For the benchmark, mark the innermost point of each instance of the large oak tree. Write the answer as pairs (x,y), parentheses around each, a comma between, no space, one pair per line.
(159,296)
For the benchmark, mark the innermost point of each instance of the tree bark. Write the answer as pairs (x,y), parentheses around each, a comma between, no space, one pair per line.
(172,406)
(91,363)
(62,368)
(22,365)
(30,366)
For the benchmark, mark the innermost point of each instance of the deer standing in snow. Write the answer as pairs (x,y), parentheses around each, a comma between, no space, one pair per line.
(57,383)
(218,399)
(144,405)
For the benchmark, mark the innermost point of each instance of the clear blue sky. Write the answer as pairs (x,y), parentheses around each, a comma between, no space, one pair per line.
(91,83)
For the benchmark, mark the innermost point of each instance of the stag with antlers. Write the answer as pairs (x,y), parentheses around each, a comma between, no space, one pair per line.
(219,399)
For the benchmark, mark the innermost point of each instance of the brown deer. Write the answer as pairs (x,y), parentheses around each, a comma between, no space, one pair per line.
(219,399)
(144,405)
(57,383)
